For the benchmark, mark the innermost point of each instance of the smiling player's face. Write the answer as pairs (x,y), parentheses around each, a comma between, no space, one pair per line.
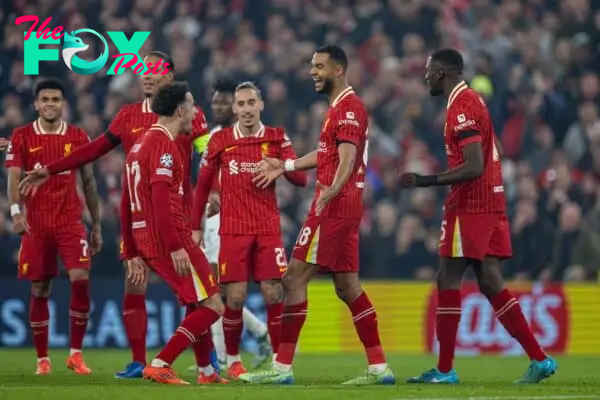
(323,72)
(152,82)
(49,104)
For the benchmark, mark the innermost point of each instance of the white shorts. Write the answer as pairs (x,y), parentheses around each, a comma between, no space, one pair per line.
(212,241)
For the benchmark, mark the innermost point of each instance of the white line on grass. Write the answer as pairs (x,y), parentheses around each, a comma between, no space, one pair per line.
(505,398)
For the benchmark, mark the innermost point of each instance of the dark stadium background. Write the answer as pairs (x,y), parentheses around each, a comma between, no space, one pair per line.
(537,64)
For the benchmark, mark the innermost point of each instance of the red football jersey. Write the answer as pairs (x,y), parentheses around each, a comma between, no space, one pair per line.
(245,209)
(155,158)
(56,206)
(346,121)
(134,119)
(467,121)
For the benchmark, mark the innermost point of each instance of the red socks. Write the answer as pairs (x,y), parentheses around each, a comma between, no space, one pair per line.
(39,318)
(203,346)
(274,324)
(135,320)
(365,322)
(232,330)
(509,312)
(447,320)
(79,311)
(292,321)
(190,331)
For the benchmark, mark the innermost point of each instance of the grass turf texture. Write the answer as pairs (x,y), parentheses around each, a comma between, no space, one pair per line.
(317,378)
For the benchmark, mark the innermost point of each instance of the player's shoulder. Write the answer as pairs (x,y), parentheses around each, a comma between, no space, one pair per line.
(275,134)
(132,108)
(74,130)
(465,98)
(23,130)
(222,138)
(349,106)
(200,120)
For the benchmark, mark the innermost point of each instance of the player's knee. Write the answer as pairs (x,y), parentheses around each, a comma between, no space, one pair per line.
(236,296)
(449,276)
(272,291)
(348,293)
(215,303)
(41,288)
(78,274)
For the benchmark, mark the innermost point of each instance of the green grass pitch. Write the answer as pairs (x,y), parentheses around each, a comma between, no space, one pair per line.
(317,378)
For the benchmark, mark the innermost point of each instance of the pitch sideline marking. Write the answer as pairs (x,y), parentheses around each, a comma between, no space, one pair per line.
(566,397)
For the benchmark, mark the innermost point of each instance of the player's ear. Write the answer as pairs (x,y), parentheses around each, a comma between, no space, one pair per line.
(261,105)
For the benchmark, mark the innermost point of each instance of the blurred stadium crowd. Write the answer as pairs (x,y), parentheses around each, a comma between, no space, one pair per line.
(536,62)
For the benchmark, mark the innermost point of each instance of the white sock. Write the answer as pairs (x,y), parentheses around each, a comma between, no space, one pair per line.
(73,351)
(43,358)
(206,371)
(157,363)
(232,359)
(377,369)
(256,327)
(218,337)
(281,367)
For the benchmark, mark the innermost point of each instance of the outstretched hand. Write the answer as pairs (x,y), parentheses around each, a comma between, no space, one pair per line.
(33,180)
(268,171)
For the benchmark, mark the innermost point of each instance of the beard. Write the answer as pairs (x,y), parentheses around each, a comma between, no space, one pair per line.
(51,120)
(327,87)
(436,92)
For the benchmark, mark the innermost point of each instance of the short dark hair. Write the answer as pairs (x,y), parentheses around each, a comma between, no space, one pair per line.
(50,83)
(336,53)
(224,85)
(165,57)
(249,85)
(169,97)
(449,60)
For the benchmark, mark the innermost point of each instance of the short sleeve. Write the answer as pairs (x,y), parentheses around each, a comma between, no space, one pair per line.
(161,162)
(118,126)
(351,125)
(464,121)
(15,154)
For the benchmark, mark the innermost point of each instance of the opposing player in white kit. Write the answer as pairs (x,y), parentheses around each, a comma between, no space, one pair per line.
(222,115)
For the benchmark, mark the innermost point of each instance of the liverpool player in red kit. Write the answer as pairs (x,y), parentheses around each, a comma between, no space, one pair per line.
(129,124)
(329,238)
(156,229)
(475,230)
(51,224)
(250,225)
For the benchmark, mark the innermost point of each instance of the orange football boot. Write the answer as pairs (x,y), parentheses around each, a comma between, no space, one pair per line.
(164,375)
(236,369)
(76,363)
(210,379)
(43,367)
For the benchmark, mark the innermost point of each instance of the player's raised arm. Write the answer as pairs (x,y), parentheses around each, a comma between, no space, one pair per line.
(206,180)
(91,151)
(14,162)
(297,178)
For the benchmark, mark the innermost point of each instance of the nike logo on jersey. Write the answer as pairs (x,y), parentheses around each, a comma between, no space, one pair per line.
(230,148)
(34,149)
(136,130)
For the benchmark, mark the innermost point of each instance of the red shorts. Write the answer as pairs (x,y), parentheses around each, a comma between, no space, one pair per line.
(331,243)
(39,252)
(193,288)
(475,236)
(243,256)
